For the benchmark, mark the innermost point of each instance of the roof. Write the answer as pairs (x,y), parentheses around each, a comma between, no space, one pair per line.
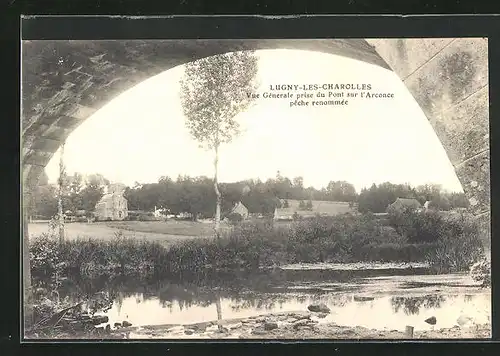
(410,203)
(109,196)
(238,205)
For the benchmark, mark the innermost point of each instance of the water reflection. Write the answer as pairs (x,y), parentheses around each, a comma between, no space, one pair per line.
(413,305)
(226,296)
(397,312)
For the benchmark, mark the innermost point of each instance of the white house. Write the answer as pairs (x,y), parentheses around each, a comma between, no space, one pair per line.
(113,205)
(241,209)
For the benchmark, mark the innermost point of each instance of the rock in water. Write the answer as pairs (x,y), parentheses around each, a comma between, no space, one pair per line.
(363,299)
(126,323)
(432,320)
(270,326)
(200,327)
(188,332)
(322,315)
(259,332)
(98,319)
(463,320)
(319,308)
(301,323)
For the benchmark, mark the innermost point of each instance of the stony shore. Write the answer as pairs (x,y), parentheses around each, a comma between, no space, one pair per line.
(294,325)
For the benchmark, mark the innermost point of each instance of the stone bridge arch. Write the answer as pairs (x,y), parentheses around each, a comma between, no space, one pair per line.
(65,82)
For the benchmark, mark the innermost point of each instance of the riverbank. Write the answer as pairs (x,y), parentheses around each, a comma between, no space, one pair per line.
(338,240)
(290,325)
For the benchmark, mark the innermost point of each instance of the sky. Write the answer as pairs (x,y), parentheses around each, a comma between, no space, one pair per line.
(140,135)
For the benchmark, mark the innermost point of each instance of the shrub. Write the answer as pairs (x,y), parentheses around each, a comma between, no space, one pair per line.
(417,227)
(481,272)
(44,254)
(456,253)
(146,217)
(459,244)
(235,218)
(253,244)
(395,252)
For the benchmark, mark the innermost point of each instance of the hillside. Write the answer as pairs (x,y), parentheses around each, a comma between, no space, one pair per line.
(321,207)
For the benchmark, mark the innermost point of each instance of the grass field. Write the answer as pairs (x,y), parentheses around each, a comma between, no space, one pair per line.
(163,232)
(171,227)
(318,207)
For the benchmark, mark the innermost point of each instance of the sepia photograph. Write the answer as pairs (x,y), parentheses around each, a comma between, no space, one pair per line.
(274,189)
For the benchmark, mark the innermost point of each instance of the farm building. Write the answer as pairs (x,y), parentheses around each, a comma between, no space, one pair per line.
(240,208)
(325,208)
(113,205)
(401,204)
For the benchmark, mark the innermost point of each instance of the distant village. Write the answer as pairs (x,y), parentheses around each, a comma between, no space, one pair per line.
(113,206)
(96,199)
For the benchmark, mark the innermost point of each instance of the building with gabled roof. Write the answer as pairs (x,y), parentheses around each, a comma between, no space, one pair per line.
(401,204)
(239,208)
(112,205)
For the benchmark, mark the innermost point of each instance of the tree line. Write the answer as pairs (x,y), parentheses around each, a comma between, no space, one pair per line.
(196,196)
(376,198)
(80,192)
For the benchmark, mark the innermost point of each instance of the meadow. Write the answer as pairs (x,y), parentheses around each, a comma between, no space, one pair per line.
(330,208)
(449,245)
(164,233)
(169,227)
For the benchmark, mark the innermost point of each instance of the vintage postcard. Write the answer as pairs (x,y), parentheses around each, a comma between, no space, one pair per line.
(256,189)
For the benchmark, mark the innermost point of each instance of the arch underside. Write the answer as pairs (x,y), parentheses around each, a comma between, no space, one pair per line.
(65,82)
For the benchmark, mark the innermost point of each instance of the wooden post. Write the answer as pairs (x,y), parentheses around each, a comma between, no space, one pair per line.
(409,332)
(219,312)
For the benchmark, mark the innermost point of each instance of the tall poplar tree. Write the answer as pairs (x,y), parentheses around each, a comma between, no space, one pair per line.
(213,91)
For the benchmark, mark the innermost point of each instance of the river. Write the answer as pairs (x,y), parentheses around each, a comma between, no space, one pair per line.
(374,296)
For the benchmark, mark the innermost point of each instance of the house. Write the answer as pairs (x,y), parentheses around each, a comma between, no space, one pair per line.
(401,204)
(113,205)
(241,209)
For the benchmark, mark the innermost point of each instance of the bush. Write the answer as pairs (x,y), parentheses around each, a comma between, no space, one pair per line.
(456,253)
(395,252)
(417,227)
(44,254)
(253,244)
(481,272)
(334,239)
(146,217)
(235,218)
